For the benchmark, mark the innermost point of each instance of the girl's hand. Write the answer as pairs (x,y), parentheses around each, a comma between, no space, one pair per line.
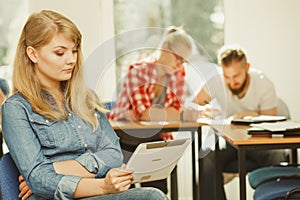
(190,115)
(25,191)
(118,179)
(241,115)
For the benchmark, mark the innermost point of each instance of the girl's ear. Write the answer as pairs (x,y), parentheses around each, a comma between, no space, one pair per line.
(32,54)
(247,66)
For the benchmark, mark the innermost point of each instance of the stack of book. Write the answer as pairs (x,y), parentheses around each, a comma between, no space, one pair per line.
(275,129)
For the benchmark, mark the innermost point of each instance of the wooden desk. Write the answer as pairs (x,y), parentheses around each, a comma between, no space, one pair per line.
(148,133)
(237,137)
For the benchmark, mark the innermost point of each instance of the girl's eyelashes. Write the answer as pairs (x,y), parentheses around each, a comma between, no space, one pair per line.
(59,53)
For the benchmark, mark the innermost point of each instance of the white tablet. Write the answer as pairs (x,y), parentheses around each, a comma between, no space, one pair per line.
(155,160)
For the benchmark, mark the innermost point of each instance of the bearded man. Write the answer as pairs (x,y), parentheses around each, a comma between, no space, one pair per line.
(239,91)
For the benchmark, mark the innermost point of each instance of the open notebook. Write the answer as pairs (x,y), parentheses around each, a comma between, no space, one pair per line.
(155,160)
(259,119)
(284,128)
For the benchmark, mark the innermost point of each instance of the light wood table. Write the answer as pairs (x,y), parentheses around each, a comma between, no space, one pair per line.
(238,137)
(128,131)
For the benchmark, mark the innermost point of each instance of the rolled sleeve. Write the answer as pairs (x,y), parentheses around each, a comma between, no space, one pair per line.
(89,162)
(103,169)
(66,187)
(93,165)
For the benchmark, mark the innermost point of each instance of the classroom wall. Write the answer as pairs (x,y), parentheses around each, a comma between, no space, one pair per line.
(95,20)
(89,16)
(269,30)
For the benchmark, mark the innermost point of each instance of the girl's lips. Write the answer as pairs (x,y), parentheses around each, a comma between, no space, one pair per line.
(69,70)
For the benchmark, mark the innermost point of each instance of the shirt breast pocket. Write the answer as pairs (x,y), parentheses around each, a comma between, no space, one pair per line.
(48,132)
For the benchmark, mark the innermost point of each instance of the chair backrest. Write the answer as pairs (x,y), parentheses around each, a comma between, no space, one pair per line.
(274,182)
(9,174)
(109,105)
(1,147)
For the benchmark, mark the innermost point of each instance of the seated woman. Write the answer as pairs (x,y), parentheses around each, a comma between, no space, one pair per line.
(56,131)
(154,90)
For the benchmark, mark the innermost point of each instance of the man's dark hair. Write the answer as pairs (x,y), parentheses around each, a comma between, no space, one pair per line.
(229,55)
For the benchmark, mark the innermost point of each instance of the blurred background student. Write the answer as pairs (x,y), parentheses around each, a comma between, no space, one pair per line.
(154,89)
(248,92)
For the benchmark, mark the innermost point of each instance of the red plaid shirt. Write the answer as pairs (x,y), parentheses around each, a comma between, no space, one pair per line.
(138,91)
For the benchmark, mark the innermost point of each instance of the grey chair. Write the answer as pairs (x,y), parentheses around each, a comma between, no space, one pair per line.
(1,147)
(275,182)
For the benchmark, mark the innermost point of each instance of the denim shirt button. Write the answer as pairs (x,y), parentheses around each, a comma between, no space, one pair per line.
(47,121)
(70,114)
(96,115)
(78,126)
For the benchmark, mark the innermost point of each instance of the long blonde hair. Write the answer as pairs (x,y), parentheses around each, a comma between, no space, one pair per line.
(39,29)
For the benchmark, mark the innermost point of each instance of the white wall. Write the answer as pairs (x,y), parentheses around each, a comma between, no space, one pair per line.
(95,20)
(270,31)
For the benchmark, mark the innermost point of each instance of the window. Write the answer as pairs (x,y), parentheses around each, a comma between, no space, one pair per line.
(139,26)
(12,16)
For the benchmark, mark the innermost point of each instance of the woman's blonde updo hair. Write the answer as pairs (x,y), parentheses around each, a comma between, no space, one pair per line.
(175,37)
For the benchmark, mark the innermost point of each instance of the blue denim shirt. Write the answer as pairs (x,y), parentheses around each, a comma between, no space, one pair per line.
(35,142)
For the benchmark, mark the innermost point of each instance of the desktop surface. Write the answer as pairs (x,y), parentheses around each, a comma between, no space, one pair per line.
(238,135)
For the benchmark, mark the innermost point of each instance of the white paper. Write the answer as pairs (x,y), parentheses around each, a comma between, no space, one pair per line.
(278,126)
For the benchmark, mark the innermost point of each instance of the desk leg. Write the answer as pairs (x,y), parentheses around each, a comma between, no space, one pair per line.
(242,172)
(200,165)
(218,184)
(294,159)
(174,185)
(195,188)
